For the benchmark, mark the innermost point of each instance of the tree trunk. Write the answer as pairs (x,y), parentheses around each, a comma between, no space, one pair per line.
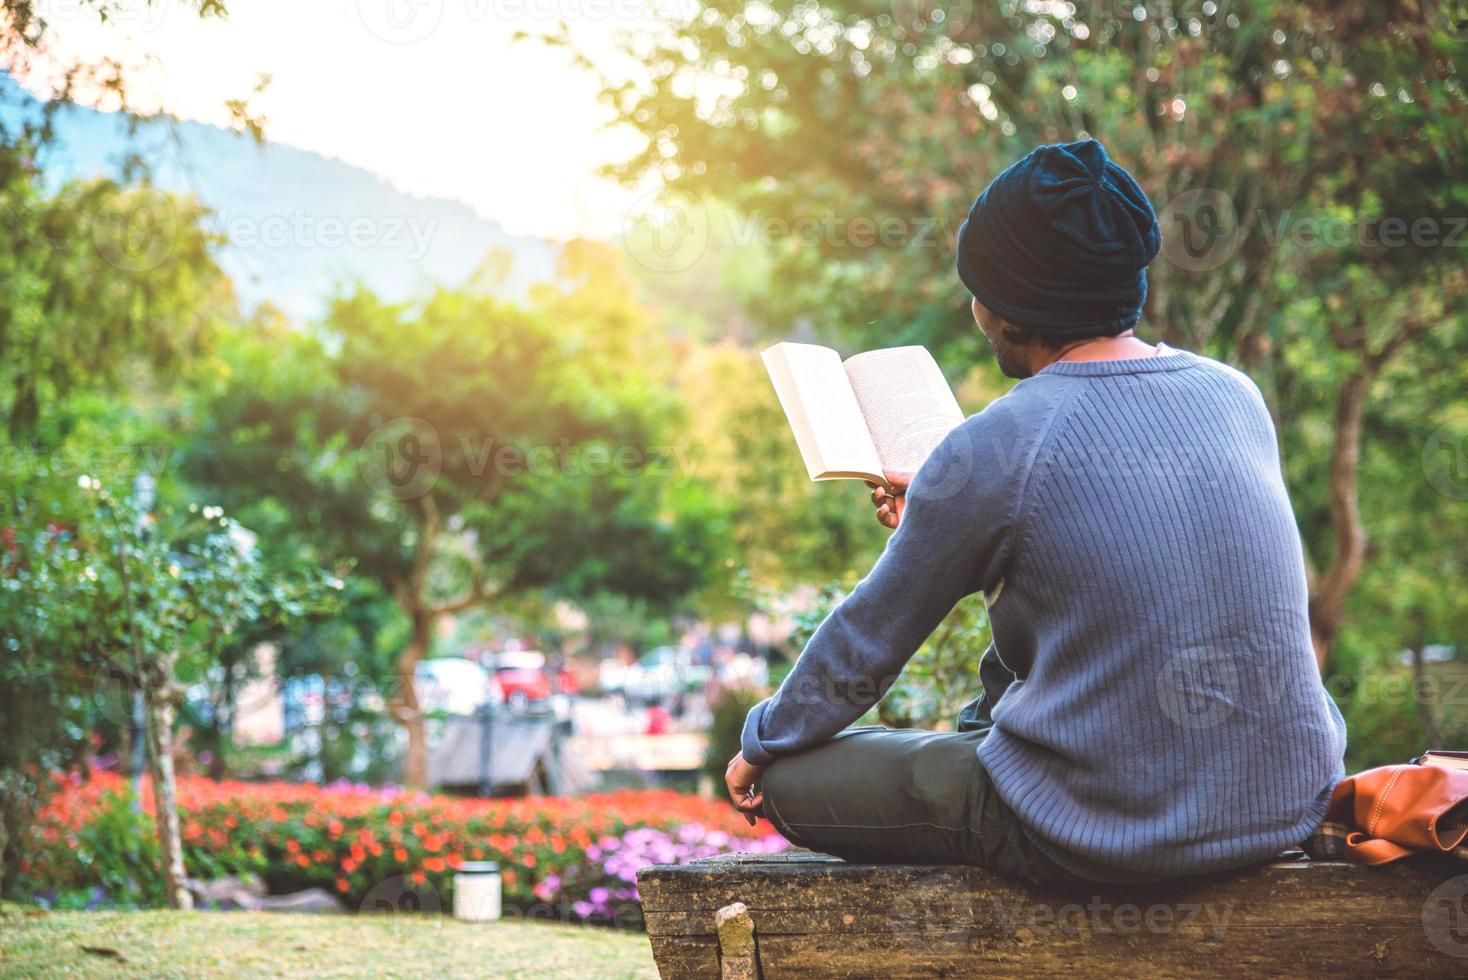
(4,831)
(165,796)
(408,710)
(1332,588)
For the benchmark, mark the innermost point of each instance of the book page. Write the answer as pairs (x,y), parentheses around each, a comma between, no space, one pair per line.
(906,402)
(817,398)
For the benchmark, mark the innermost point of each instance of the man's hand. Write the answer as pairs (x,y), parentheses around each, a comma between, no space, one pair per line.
(741,778)
(891,499)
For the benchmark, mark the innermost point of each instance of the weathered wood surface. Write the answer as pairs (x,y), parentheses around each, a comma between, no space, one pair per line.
(815,916)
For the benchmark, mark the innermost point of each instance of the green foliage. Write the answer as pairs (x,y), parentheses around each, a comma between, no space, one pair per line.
(546,465)
(93,587)
(726,730)
(1281,143)
(100,277)
(941,677)
(118,851)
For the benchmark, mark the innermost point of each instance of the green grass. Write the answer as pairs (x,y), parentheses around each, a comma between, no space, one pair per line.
(264,944)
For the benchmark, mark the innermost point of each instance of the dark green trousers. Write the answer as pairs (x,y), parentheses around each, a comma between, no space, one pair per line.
(905,796)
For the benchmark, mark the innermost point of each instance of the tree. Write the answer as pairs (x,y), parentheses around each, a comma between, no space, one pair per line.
(786,530)
(461,451)
(853,136)
(101,275)
(146,596)
(99,278)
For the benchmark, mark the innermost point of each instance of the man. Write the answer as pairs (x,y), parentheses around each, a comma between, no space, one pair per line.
(1151,706)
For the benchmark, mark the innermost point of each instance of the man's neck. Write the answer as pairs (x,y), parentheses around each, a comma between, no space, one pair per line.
(1122,347)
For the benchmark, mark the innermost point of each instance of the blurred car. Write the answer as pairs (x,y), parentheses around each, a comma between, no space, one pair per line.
(611,673)
(524,678)
(455,685)
(663,673)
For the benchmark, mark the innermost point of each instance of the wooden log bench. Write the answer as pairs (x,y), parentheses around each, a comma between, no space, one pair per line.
(808,915)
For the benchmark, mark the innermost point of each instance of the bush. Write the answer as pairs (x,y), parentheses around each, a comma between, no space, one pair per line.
(941,677)
(580,855)
(115,852)
(726,730)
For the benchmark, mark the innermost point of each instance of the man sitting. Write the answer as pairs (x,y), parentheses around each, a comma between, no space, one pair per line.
(1151,704)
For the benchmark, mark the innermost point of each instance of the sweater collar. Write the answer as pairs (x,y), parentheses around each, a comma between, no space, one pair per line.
(1171,359)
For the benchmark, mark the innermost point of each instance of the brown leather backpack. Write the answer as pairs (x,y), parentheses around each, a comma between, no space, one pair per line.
(1391,812)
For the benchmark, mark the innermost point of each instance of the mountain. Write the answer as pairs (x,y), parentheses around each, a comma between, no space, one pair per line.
(297,225)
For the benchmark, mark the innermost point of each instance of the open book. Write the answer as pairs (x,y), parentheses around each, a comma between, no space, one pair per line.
(882,410)
(1444,758)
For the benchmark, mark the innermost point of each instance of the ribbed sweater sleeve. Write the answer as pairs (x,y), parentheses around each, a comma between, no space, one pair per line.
(963,509)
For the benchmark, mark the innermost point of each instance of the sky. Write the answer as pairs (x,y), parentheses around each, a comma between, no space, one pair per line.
(436,96)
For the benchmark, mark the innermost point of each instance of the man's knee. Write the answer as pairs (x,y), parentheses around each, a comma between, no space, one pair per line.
(780,786)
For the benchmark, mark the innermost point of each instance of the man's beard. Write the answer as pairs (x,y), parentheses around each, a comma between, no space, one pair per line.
(1010,361)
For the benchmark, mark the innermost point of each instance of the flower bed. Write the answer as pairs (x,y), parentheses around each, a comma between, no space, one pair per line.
(567,857)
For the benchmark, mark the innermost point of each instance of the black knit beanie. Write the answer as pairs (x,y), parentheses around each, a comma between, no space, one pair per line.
(1059,243)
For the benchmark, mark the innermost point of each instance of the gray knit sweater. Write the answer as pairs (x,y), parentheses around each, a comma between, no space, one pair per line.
(1129,526)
